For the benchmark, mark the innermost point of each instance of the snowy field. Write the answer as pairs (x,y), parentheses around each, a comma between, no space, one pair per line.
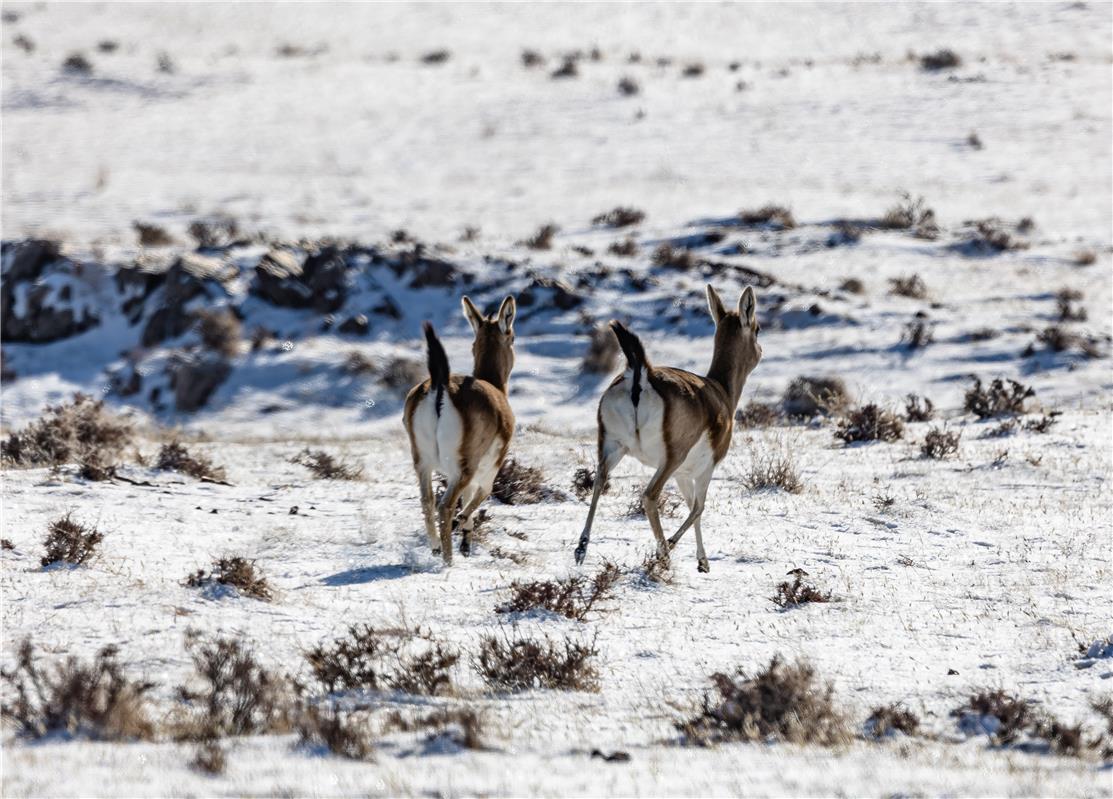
(338,126)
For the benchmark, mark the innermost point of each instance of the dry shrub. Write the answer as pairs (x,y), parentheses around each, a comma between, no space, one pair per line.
(1085,258)
(776,216)
(917,335)
(462,727)
(436,57)
(1064,304)
(93,700)
(568,69)
(77,64)
(853,285)
(403,373)
(773,470)
(1001,398)
(518,484)
(1000,715)
(522,664)
(235,572)
(918,409)
(356,363)
(174,457)
(151,235)
(583,483)
(939,444)
(655,568)
(326,467)
(668,257)
(627,248)
(602,352)
(78,431)
(6,544)
(543,238)
(70,541)
(944,58)
(814,396)
(869,423)
(532,58)
(911,286)
(209,758)
(782,702)
(992,236)
(668,504)
(619,217)
(693,70)
(220,331)
(342,734)
(796,593)
(381,659)
(234,694)
(628,87)
(573,597)
(1056,339)
(888,719)
(756,414)
(219,230)
(911,214)
(1042,424)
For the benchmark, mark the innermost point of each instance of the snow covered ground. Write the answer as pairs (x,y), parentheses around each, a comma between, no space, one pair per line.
(994,564)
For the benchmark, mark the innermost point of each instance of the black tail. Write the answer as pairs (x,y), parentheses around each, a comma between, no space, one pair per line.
(635,356)
(438,364)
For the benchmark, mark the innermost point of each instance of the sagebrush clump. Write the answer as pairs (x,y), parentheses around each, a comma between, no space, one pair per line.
(377,659)
(869,423)
(78,431)
(939,444)
(327,467)
(1000,398)
(518,484)
(573,597)
(70,541)
(807,397)
(522,664)
(174,457)
(796,593)
(773,470)
(234,572)
(781,702)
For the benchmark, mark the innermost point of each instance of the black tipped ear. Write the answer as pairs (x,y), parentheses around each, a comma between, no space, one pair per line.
(747,306)
(471,313)
(715,304)
(507,312)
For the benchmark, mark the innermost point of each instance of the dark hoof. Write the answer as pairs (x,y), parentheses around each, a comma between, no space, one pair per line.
(581,553)
(703,566)
(436,550)
(465,547)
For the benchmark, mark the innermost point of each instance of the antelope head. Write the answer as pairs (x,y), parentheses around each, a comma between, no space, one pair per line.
(493,347)
(737,350)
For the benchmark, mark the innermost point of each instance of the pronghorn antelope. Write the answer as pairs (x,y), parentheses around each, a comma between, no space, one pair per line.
(461,425)
(675,421)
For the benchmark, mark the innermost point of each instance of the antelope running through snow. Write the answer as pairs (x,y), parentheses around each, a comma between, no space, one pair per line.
(675,421)
(461,425)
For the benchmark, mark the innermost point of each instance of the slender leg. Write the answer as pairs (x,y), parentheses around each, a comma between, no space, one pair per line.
(650,497)
(687,488)
(425,483)
(701,497)
(447,509)
(467,519)
(610,453)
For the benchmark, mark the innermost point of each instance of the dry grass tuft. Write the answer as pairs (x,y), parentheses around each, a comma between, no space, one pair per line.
(1064,305)
(655,569)
(462,727)
(235,694)
(869,423)
(756,414)
(602,352)
(342,734)
(796,593)
(807,397)
(911,214)
(782,702)
(78,431)
(220,331)
(1001,398)
(174,457)
(583,483)
(573,597)
(518,484)
(776,216)
(235,572)
(620,217)
(326,467)
(668,504)
(1085,258)
(918,409)
(939,444)
(888,719)
(627,248)
(523,664)
(209,758)
(543,238)
(383,659)
(668,257)
(70,541)
(997,713)
(911,286)
(944,58)
(94,701)
(773,470)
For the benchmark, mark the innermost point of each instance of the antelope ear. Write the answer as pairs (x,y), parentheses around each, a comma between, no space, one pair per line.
(747,306)
(507,311)
(715,305)
(471,313)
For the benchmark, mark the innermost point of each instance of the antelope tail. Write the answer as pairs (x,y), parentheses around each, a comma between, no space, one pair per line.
(635,356)
(438,364)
